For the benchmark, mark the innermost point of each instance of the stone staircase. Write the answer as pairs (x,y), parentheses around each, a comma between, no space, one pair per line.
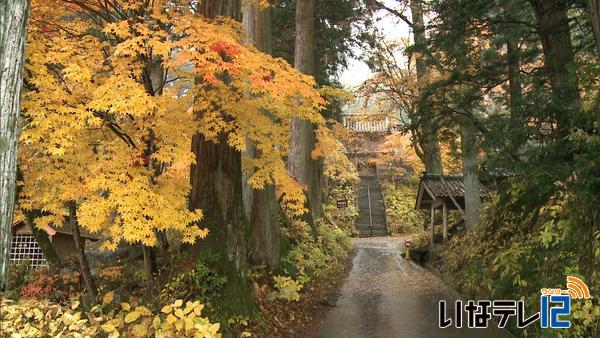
(370,223)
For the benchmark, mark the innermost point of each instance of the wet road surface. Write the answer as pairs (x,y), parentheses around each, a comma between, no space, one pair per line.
(387,296)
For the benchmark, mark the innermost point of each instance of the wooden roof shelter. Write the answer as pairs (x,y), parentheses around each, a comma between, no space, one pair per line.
(445,191)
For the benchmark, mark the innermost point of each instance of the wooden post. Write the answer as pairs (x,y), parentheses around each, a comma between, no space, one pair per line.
(432,223)
(445,220)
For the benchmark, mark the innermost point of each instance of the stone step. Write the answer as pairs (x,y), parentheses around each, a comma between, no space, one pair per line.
(380,229)
(373,233)
(373,207)
(379,209)
(374,218)
(365,216)
(373,215)
(374,225)
(368,225)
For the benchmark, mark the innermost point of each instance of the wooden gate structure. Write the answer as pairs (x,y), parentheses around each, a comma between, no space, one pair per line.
(445,192)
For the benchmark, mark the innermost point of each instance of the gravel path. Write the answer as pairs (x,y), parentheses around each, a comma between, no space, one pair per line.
(387,296)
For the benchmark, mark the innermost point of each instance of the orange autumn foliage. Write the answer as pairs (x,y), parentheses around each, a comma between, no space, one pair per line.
(97,135)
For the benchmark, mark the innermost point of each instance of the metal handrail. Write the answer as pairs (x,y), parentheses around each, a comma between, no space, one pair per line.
(370,213)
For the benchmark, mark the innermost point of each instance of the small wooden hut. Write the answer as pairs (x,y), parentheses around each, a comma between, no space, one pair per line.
(25,246)
(445,192)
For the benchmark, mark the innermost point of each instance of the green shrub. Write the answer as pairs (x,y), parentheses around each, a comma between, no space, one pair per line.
(538,231)
(202,282)
(17,277)
(287,288)
(343,218)
(310,259)
(401,215)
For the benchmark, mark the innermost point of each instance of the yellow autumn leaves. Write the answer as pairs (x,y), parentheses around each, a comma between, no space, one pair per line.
(112,104)
(35,318)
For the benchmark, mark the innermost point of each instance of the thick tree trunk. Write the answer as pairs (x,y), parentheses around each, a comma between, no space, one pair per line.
(79,244)
(150,268)
(594,8)
(226,8)
(517,117)
(41,237)
(13,32)
(216,180)
(470,175)
(427,137)
(163,246)
(258,35)
(554,32)
(257,22)
(301,165)
(432,157)
(247,190)
(149,260)
(265,229)
(420,40)
(217,190)
(262,206)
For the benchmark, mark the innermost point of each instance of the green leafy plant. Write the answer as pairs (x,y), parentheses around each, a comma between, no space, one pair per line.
(344,218)
(287,288)
(533,235)
(201,282)
(401,215)
(17,277)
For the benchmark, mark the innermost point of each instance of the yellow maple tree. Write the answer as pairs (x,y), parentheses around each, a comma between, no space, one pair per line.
(97,133)
(336,165)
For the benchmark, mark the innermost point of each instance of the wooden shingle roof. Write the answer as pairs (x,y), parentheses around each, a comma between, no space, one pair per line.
(447,187)
(64,230)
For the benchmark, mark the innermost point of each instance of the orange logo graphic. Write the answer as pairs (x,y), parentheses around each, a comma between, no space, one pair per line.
(577,288)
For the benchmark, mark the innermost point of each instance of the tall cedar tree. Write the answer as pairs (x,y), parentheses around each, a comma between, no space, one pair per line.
(261,204)
(216,180)
(555,35)
(13,31)
(427,133)
(301,165)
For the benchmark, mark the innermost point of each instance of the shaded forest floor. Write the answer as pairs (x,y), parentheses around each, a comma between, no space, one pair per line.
(300,319)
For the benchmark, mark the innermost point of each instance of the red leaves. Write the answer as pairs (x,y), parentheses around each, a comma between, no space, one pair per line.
(211,79)
(226,48)
(141,160)
(40,287)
